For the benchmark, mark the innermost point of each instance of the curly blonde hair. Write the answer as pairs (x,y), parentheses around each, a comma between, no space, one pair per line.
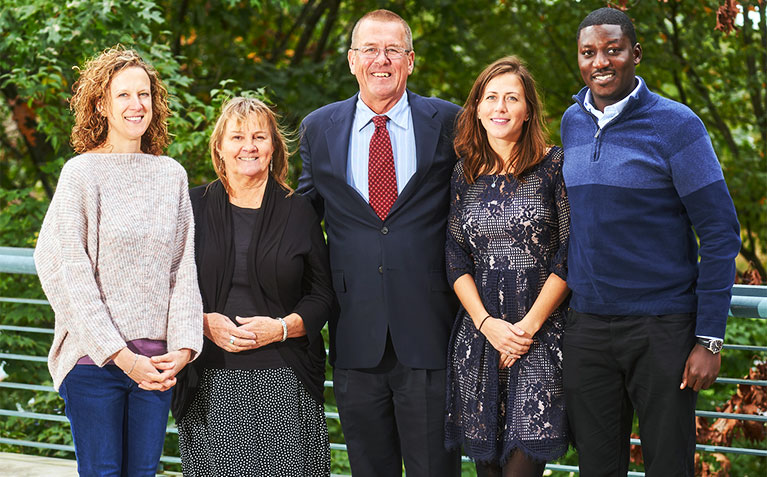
(241,109)
(91,127)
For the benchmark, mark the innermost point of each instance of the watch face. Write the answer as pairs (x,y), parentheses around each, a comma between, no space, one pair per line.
(711,344)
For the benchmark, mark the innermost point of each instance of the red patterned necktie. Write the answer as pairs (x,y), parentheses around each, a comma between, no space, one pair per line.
(382,180)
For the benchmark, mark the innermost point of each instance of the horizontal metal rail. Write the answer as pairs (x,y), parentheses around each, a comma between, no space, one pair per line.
(62,447)
(41,445)
(731,415)
(27,387)
(23,357)
(17,260)
(27,329)
(749,382)
(722,449)
(34,415)
(29,301)
(745,347)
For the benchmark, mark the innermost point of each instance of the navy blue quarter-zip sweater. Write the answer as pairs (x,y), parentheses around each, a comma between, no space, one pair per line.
(639,190)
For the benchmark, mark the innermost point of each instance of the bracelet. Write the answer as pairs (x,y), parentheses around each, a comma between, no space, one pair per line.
(483,322)
(284,328)
(132,367)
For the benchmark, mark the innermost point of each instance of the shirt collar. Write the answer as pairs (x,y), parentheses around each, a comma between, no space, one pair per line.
(612,110)
(398,115)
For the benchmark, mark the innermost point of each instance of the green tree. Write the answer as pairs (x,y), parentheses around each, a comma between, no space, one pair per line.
(295,52)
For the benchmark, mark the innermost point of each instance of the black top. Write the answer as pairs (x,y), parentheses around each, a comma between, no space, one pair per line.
(241,301)
(287,270)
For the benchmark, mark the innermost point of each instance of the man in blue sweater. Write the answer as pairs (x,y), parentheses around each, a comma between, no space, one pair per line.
(647,318)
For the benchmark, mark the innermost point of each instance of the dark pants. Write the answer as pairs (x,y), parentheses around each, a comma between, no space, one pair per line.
(614,365)
(118,429)
(393,412)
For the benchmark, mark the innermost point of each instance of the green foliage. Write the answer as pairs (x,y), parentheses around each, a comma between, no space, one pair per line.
(295,53)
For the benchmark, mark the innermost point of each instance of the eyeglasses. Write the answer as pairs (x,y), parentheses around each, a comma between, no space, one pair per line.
(391,52)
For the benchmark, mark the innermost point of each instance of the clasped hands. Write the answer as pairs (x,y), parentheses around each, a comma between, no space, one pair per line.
(512,340)
(157,373)
(253,332)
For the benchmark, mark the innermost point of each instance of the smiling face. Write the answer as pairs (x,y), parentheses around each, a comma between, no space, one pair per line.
(128,109)
(502,111)
(246,148)
(382,80)
(607,61)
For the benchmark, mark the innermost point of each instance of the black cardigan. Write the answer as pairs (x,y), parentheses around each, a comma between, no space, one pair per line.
(287,261)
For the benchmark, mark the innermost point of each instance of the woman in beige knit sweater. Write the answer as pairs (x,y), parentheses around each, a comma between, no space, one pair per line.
(115,257)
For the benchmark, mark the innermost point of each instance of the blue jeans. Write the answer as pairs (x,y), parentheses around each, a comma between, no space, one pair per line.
(118,429)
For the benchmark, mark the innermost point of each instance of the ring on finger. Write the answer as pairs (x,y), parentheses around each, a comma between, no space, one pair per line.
(231,340)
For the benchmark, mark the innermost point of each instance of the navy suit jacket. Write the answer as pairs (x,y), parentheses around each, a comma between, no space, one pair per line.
(386,274)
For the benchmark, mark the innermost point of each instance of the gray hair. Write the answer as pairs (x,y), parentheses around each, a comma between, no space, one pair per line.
(384,16)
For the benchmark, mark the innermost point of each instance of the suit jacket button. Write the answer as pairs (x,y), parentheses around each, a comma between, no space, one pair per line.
(380,270)
(385,230)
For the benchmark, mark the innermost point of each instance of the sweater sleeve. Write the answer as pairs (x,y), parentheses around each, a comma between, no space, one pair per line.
(66,258)
(698,179)
(317,300)
(185,307)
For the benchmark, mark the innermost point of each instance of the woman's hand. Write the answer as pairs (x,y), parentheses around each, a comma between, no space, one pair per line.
(141,370)
(168,364)
(524,329)
(506,337)
(266,329)
(510,340)
(226,335)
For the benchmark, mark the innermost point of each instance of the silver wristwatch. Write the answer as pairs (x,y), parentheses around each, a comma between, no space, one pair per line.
(712,344)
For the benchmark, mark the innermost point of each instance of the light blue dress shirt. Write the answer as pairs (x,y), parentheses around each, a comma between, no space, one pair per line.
(611,111)
(400,127)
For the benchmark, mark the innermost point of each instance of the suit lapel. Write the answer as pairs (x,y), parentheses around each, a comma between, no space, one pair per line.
(337,136)
(427,130)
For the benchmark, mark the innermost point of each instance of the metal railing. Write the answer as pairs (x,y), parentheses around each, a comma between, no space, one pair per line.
(747,302)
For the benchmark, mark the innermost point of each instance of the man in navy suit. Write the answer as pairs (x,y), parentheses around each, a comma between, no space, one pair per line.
(388,345)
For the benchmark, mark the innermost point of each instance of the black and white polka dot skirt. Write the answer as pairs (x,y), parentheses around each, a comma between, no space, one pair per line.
(253,423)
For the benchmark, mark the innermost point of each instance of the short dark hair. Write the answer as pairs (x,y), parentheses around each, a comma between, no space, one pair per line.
(609,16)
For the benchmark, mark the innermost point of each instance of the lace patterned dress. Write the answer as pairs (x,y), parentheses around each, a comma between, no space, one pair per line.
(510,236)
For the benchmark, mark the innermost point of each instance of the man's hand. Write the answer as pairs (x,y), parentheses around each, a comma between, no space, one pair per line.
(701,369)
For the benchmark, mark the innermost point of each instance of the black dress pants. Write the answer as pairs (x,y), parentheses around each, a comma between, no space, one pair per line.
(393,412)
(614,365)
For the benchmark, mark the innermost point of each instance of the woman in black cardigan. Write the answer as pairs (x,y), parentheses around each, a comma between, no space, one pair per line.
(255,404)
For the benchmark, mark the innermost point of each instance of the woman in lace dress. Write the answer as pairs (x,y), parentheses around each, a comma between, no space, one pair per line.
(506,258)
